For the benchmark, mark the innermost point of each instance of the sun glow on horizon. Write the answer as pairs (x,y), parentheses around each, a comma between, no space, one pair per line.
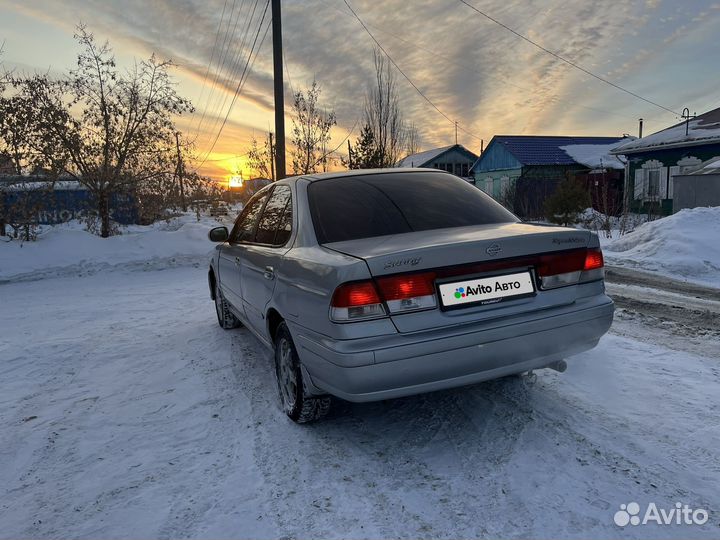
(235,181)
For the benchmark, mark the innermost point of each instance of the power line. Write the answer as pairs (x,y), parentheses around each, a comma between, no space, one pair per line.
(207,70)
(563,59)
(403,73)
(349,133)
(212,52)
(243,79)
(236,156)
(236,64)
(287,72)
(228,39)
(473,69)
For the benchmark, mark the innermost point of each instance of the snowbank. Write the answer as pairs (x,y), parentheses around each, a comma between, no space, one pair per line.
(70,250)
(683,246)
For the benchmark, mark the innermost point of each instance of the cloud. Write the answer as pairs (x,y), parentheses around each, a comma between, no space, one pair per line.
(488,79)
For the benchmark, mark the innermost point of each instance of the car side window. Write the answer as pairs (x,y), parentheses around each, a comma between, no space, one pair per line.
(272,221)
(244,229)
(285,228)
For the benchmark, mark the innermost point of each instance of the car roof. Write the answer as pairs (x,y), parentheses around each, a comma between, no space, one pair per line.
(364,172)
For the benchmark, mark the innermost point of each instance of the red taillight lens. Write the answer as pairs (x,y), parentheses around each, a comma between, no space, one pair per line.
(408,292)
(593,259)
(397,294)
(561,263)
(569,268)
(407,286)
(361,293)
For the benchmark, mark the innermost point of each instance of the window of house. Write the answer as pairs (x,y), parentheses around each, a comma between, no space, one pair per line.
(653,183)
(489,182)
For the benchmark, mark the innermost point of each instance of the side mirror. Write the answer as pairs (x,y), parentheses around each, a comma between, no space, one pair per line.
(218,234)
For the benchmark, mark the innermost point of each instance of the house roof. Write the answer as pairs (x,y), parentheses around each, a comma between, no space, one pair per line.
(424,158)
(712,166)
(703,129)
(595,156)
(549,150)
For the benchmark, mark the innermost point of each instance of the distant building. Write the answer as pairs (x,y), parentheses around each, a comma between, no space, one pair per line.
(35,199)
(654,161)
(697,187)
(528,168)
(454,159)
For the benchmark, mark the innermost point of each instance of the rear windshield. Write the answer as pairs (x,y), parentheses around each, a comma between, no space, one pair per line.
(349,208)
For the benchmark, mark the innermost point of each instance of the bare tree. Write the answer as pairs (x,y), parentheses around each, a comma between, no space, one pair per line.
(260,159)
(108,130)
(16,120)
(412,140)
(383,114)
(311,130)
(4,158)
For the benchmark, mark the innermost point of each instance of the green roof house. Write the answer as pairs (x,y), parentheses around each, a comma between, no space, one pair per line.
(654,161)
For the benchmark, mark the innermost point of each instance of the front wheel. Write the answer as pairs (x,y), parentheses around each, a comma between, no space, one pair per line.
(296,402)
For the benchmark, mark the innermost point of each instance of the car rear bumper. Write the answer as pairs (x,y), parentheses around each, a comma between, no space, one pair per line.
(371,369)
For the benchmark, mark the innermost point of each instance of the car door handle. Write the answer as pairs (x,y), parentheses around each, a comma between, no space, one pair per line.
(269,272)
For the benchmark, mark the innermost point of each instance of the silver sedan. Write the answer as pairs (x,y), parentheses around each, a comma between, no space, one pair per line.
(370,285)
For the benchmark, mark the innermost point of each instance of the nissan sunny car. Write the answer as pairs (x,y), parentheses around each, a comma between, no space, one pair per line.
(371,285)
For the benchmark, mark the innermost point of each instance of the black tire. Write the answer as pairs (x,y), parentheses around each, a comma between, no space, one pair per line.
(296,402)
(225,317)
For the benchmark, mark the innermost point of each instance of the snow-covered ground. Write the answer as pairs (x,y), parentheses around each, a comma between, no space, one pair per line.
(126,412)
(68,249)
(682,246)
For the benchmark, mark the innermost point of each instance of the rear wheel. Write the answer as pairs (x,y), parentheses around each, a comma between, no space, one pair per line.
(296,402)
(225,317)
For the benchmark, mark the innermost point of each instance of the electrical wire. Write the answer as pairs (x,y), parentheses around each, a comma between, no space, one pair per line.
(473,69)
(207,70)
(405,75)
(234,72)
(569,62)
(243,78)
(225,52)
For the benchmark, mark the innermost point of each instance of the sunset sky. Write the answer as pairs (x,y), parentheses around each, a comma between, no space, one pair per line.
(475,71)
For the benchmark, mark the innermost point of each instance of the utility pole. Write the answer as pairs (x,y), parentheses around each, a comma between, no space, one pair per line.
(180,170)
(456,124)
(640,124)
(279,90)
(349,155)
(272,158)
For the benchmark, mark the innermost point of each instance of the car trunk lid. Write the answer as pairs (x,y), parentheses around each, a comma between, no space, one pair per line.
(467,251)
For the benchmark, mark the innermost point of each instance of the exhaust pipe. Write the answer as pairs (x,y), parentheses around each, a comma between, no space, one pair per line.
(560,366)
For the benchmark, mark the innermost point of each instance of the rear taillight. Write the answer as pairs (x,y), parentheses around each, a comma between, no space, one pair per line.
(569,268)
(409,292)
(356,301)
(593,269)
(365,300)
(593,259)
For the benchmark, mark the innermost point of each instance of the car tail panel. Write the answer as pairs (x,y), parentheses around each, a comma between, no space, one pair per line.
(533,268)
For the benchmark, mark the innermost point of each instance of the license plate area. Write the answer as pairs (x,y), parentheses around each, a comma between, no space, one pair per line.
(457,293)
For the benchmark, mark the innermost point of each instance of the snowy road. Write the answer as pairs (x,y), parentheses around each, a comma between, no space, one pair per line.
(125,412)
